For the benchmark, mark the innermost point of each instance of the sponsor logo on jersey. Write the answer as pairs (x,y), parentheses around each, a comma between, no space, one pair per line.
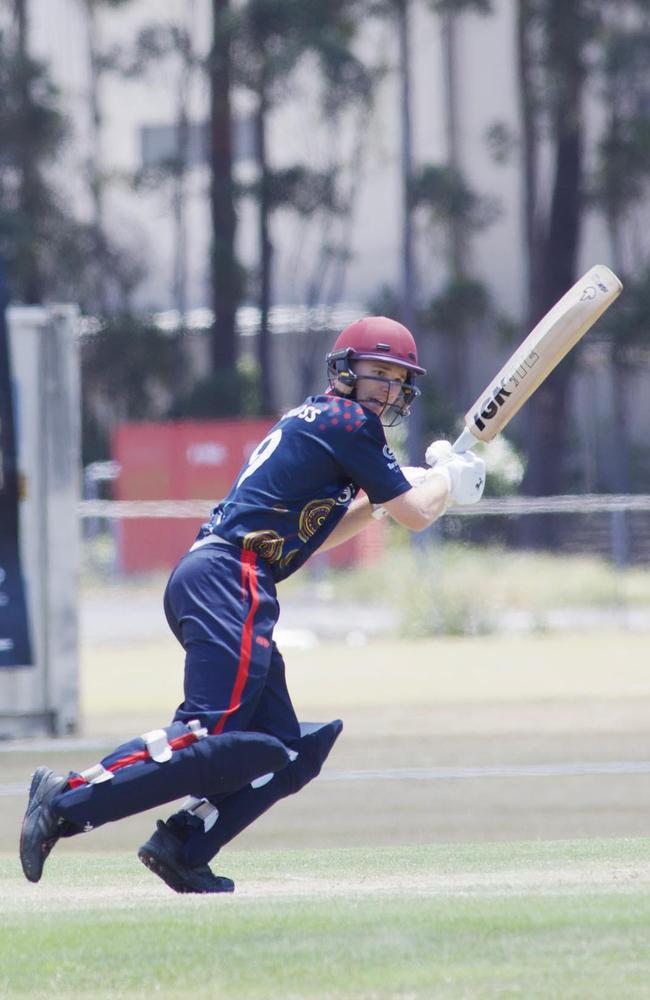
(344,498)
(389,455)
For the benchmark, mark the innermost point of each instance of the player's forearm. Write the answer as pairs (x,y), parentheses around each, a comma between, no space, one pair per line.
(431,496)
(421,505)
(358,517)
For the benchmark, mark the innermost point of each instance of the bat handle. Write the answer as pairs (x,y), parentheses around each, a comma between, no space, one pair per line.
(465,442)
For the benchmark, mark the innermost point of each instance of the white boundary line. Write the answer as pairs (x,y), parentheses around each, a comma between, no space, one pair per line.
(560,770)
(564,769)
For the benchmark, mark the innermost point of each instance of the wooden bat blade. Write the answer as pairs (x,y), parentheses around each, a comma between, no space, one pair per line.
(542,350)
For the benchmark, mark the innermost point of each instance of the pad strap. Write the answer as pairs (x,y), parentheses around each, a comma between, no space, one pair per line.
(96,774)
(156,746)
(203,810)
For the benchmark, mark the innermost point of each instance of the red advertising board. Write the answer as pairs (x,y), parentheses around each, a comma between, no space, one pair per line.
(193,460)
(185,460)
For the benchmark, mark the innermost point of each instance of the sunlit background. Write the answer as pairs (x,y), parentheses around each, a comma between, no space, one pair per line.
(196,196)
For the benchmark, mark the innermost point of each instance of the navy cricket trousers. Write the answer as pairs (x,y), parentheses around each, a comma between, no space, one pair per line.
(221,605)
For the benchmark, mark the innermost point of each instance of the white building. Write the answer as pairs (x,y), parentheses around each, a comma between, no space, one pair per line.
(139,115)
(139,111)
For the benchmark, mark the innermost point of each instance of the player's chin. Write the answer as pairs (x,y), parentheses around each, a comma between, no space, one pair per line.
(373,405)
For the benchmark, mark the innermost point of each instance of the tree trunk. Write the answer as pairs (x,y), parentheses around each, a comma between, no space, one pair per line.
(618,459)
(555,253)
(408,281)
(617,444)
(547,410)
(179,196)
(94,154)
(225,275)
(529,115)
(266,254)
(456,250)
(449,54)
(29,185)
(102,277)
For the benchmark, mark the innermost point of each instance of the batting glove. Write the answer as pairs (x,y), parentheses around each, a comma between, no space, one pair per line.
(438,451)
(465,476)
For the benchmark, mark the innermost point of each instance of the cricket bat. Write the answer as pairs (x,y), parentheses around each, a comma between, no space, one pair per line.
(541,351)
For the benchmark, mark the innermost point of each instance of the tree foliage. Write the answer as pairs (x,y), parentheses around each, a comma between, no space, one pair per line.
(299,188)
(32,214)
(568,50)
(442,192)
(224,393)
(52,253)
(619,184)
(129,371)
(618,190)
(553,40)
(271,40)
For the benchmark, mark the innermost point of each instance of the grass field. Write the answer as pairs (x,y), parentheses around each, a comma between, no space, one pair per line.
(436,885)
(564,920)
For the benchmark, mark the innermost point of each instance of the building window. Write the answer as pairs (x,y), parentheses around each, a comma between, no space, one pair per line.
(159,143)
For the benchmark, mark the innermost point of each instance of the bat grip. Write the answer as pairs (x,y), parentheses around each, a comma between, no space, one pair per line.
(464,442)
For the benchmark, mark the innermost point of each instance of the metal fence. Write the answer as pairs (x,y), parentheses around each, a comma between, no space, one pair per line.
(615,526)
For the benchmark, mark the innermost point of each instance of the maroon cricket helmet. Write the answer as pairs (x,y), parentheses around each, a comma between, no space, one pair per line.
(375,338)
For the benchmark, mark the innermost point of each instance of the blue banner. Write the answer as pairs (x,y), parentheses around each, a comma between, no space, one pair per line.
(15,646)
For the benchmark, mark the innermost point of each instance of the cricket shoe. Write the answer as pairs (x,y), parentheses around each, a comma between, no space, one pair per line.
(162,855)
(41,827)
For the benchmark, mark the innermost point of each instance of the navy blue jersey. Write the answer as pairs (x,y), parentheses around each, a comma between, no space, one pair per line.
(300,480)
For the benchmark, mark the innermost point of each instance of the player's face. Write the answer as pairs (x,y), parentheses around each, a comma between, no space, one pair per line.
(379,383)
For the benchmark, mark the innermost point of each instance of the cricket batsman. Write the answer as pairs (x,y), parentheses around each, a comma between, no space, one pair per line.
(235,745)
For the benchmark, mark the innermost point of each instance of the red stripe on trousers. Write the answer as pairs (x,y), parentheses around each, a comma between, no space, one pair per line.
(248,577)
(248,582)
(178,743)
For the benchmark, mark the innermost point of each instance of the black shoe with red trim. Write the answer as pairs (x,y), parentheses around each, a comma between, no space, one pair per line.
(162,855)
(41,827)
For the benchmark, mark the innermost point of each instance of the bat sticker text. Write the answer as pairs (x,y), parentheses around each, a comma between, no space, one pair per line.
(492,404)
